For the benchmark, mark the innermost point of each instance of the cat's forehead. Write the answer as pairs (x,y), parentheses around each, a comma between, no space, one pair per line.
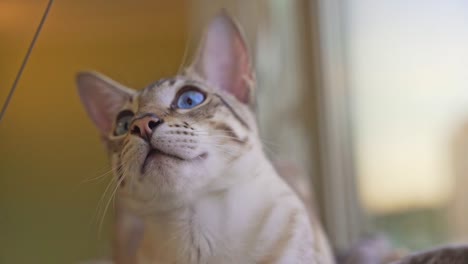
(163,91)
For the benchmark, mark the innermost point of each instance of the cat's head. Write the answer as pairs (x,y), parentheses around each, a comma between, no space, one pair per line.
(181,135)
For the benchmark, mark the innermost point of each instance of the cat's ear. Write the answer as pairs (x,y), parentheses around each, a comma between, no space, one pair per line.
(223,59)
(103,98)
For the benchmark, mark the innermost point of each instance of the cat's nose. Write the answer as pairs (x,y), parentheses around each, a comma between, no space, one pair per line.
(145,126)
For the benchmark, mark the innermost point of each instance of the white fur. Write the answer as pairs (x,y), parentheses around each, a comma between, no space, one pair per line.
(239,223)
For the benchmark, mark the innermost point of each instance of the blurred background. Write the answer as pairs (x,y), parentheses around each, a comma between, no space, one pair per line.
(372,98)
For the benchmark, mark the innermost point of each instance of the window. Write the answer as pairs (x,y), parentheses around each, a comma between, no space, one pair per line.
(407,80)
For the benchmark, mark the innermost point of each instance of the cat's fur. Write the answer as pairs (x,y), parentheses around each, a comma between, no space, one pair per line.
(208,194)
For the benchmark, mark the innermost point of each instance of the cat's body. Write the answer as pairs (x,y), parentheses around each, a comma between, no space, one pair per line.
(194,183)
(256,220)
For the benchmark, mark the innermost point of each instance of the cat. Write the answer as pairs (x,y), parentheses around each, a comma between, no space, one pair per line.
(194,184)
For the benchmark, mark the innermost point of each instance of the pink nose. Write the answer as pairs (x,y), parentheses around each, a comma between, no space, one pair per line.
(145,126)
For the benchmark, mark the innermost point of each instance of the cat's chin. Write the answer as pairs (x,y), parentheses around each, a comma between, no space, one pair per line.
(157,158)
(164,176)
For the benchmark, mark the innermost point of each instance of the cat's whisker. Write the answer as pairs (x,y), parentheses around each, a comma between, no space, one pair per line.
(267,147)
(131,153)
(220,148)
(97,179)
(119,184)
(97,212)
(131,181)
(269,150)
(125,149)
(113,180)
(271,146)
(263,140)
(108,203)
(269,142)
(206,134)
(113,193)
(219,137)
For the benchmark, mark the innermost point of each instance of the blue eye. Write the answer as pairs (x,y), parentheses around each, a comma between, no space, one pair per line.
(190,99)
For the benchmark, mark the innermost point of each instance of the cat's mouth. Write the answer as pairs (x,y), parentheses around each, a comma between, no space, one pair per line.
(155,153)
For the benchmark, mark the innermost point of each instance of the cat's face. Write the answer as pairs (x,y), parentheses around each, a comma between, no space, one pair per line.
(178,136)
